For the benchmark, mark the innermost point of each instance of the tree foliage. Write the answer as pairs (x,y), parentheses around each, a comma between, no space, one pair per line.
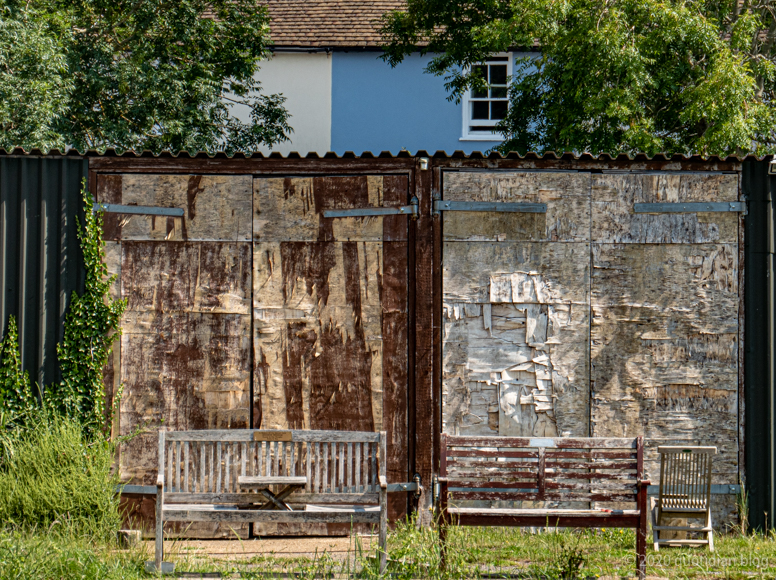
(135,74)
(676,76)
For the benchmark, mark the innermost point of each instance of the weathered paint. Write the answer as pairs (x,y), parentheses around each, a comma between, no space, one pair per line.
(593,320)
(327,292)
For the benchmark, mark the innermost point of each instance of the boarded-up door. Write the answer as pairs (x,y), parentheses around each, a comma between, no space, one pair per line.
(184,356)
(330,313)
(516,292)
(592,320)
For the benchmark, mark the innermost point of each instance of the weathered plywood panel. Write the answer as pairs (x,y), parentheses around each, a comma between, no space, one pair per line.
(541,273)
(664,347)
(290,208)
(515,353)
(615,222)
(567,196)
(217,207)
(318,335)
(187,276)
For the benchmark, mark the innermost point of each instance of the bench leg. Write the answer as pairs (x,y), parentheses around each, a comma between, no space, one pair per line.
(641,535)
(442,542)
(383,530)
(159,548)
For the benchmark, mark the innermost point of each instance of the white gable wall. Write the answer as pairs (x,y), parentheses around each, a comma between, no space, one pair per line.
(305,80)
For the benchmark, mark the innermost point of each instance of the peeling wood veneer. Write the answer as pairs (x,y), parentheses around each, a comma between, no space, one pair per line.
(330,310)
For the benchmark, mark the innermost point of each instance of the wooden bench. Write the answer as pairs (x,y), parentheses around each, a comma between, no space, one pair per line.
(244,476)
(576,475)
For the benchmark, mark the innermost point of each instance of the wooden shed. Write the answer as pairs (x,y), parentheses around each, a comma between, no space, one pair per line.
(538,296)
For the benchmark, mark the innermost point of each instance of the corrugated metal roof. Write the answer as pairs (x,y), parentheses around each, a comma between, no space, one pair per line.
(530,156)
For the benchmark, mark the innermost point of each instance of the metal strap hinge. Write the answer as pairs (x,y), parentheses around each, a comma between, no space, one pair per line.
(410,210)
(138,209)
(441,205)
(695,207)
(415,485)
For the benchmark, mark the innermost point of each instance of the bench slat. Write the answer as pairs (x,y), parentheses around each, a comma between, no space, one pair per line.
(248,434)
(538,442)
(548,496)
(263,480)
(251,516)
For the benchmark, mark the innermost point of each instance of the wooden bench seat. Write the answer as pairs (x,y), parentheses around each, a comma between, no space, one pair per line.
(586,480)
(255,476)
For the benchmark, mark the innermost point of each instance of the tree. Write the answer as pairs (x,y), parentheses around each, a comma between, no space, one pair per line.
(135,74)
(675,76)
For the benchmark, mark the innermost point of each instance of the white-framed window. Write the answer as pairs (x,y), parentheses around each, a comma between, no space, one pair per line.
(484,108)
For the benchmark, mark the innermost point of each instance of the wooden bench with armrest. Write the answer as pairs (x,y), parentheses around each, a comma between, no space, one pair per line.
(247,475)
(576,474)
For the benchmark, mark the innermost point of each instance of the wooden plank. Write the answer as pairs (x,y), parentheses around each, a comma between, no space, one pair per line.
(263,480)
(257,516)
(239,435)
(272,436)
(553,442)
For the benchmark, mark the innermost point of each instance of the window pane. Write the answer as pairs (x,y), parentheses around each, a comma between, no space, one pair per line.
(479,93)
(480,128)
(498,92)
(480,110)
(498,74)
(482,71)
(498,110)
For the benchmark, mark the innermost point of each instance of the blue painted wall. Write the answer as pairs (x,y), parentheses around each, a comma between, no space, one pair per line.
(378,108)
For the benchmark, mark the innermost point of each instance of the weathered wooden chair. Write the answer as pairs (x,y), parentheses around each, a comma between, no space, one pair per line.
(685,492)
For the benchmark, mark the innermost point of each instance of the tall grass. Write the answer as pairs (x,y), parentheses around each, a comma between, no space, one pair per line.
(53,478)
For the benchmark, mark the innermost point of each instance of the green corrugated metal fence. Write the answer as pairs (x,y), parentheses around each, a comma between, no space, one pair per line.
(40,258)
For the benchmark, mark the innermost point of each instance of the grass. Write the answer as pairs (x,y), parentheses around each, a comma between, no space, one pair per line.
(473,553)
(59,516)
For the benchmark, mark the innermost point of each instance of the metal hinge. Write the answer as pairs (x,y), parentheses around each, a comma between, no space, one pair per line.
(138,209)
(415,485)
(410,210)
(696,207)
(441,205)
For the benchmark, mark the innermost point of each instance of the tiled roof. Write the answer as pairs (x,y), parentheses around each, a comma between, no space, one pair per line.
(328,23)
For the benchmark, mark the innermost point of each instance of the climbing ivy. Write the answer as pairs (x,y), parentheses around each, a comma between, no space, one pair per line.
(91,326)
(16,397)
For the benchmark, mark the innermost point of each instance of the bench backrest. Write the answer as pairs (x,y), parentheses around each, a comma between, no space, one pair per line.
(541,469)
(204,466)
(685,477)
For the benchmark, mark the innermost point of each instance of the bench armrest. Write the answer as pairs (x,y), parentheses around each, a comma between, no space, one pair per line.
(160,480)
(383,482)
(643,483)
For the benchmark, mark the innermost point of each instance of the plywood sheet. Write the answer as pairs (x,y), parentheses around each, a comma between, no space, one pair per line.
(664,347)
(318,335)
(216,207)
(290,208)
(614,220)
(515,353)
(567,196)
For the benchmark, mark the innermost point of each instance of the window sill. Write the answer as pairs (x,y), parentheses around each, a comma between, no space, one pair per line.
(492,138)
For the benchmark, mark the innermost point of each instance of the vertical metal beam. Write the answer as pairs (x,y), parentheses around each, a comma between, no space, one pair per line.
(759,342)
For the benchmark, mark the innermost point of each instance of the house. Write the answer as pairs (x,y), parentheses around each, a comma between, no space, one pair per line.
(343,97)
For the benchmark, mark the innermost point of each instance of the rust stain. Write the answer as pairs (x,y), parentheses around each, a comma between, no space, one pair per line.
(109,189)
(298,353)
(191,195)
(337,193)
(311,262)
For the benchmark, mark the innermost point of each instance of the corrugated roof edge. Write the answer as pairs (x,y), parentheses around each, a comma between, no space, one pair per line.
(549,155)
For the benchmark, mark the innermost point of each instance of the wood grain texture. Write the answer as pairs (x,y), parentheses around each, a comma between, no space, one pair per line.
(614,221)
(290,208)
(217,207)
(567,196)
(664,348)
(330,310)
